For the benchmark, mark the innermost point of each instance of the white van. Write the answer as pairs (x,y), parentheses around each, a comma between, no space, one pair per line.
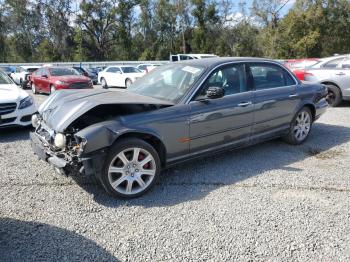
(180,57)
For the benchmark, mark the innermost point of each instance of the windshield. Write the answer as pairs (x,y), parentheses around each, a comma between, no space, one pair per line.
(4,79)
(130,70)
(169,82)
(31,70)
(57,71)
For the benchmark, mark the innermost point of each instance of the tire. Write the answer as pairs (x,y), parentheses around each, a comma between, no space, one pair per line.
(104,83)
(128,83)
(334,96)
(300,127)
(134,179)
(52,89)
(33,87)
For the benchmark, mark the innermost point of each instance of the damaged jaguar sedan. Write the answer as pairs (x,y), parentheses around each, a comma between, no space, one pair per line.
(177,112)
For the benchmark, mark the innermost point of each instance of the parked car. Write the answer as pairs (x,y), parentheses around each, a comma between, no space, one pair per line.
(146,68)
(119,76)
(16,106)
(6,69)
(334,72)
(87,73)
(177,112)
(181,57)
(22,73)
(298,66)
(49,79)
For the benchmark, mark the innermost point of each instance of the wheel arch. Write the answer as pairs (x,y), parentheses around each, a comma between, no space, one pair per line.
(312,109)
(150,138)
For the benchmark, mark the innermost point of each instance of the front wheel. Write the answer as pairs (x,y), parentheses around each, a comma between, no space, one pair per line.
(128,83)
(104,83)
(300,127)
(131,168)
(33,88)
(52,89)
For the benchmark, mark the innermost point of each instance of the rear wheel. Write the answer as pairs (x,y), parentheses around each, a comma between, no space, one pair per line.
(334,96)
(104,83)
(300,127)
(131,168)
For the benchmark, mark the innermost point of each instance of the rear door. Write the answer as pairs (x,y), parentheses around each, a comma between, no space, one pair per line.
(223,121)
(275,98)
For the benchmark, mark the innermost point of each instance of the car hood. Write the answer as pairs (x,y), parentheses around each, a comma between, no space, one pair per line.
(71,79)
(65,106)
(10,93)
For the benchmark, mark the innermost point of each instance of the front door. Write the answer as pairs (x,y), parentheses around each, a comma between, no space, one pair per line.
(342,77)
(215,123)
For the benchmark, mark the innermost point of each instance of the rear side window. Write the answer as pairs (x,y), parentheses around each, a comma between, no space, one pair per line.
(113,70)
(346,64)
(265,76)
(333,63)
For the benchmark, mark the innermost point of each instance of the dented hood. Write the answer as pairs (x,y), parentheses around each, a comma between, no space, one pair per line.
(65,106)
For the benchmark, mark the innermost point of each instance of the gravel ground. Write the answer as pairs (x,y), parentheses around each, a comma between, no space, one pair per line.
(271,201)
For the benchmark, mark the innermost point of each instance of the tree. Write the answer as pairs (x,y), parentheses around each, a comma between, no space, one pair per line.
(97,20)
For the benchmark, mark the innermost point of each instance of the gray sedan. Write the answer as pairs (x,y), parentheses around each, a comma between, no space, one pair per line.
(175,113)
(334,72)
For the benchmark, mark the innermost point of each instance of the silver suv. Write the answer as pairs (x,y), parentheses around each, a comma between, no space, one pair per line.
(334,72)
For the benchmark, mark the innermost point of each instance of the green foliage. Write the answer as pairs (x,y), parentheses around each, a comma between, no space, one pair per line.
(65,30)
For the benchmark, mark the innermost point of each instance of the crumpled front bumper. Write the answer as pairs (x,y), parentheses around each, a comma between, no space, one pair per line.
(86,166)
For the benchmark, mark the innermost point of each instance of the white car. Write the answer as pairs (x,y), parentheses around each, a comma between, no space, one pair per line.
(119,76)
(22,73)
(146,68)
(16,106)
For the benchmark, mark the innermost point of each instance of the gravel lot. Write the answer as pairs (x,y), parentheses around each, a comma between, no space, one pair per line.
(271,201)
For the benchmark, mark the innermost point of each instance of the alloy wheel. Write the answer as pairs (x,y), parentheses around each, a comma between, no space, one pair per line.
(131,171)
(302,125)
(52,89)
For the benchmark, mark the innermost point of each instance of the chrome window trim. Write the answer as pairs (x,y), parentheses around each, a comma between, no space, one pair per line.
(296,81)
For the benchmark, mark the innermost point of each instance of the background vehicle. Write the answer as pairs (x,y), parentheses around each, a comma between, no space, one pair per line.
(88,73)
(178,112)
(180,57)
(7,70)
(22,73)
(119,76)
(146,68)
(50,79)
(297,66)
(16,106)
(334,72)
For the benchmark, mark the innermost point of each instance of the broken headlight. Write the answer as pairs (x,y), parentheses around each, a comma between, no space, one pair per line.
(60,140)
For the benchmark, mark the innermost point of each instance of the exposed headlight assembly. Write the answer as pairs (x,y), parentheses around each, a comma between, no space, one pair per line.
(60,140)
(26,102)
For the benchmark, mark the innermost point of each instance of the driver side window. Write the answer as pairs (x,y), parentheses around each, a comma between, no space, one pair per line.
(231,78)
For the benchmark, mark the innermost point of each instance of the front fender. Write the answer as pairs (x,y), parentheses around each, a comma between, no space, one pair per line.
(104,134)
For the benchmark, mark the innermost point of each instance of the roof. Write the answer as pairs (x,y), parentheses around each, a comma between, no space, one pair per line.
(26,67)
(215,61)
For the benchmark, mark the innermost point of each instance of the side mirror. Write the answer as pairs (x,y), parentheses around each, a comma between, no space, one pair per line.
(214,92)
(119,73)
(44,76)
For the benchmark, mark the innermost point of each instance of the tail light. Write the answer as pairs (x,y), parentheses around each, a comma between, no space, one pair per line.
(308,74)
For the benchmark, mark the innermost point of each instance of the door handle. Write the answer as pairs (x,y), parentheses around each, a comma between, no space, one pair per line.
(340,74)
(293,95)
(243,104)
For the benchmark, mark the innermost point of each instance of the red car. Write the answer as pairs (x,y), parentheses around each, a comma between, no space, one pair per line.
(297,66)
(49,79)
